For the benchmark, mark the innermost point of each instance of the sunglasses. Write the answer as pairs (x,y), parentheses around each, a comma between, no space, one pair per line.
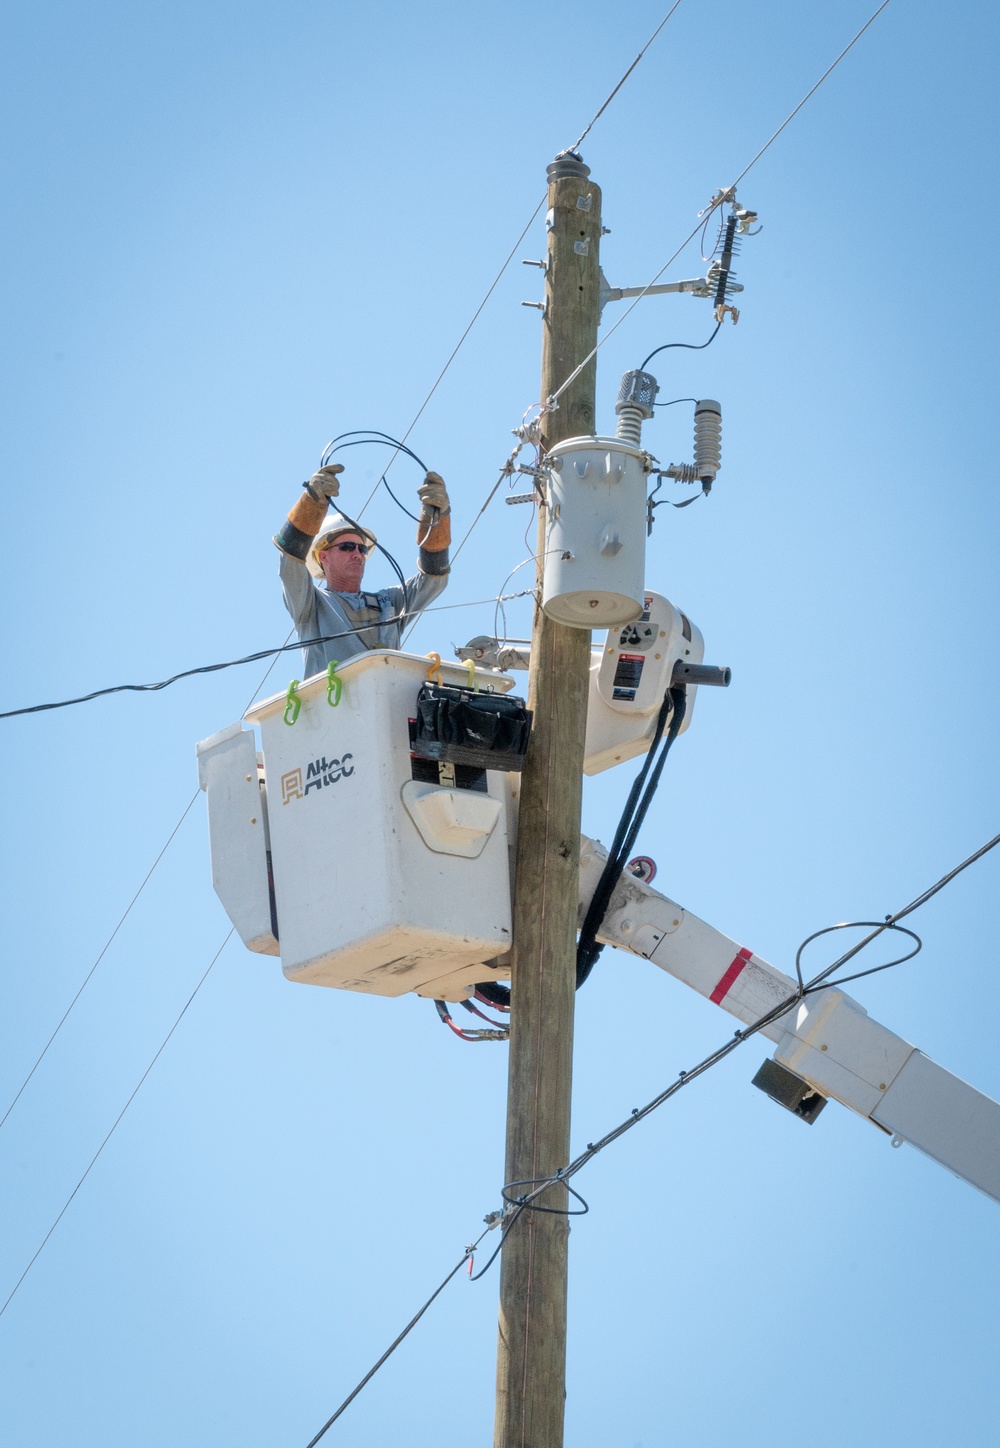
(348,547)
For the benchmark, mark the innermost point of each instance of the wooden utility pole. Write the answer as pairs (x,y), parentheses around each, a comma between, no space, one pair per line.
(531,1355)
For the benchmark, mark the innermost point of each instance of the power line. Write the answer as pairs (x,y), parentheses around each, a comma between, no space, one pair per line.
(699,225)
(586,130)
(466,1255)
(128,910)
(458,346)
(510,257)
(104,950)
(792,114)
(114,1126)
(526,1201)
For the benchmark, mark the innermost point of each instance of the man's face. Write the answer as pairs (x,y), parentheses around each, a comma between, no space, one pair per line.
(343,568)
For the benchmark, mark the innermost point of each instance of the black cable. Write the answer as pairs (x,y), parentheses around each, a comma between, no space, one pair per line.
(691,347)
(879,926)
(637,804)
(674,401)
(399,505)
(203,669)
(494,993)
(368,435)
(247,659)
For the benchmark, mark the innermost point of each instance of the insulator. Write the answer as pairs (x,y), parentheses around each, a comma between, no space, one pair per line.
(630,421)
(681,473)
(707,439)
(725,262)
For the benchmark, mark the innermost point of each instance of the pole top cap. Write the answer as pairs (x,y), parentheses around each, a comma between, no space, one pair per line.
(567,163)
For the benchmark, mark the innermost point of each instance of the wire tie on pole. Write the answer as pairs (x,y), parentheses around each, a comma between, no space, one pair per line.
(293,703)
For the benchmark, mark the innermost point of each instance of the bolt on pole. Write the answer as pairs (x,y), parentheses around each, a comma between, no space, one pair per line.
(531,1354)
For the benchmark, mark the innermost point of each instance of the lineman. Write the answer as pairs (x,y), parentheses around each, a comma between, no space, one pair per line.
(335,550)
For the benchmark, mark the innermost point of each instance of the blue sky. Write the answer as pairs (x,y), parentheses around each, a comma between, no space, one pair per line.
(234,231)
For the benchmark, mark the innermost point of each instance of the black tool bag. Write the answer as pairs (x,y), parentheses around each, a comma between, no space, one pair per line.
(459,726)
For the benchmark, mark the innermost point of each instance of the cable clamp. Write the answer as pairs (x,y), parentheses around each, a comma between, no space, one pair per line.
(334,684)
(720,313)
(724,194)
(293,704)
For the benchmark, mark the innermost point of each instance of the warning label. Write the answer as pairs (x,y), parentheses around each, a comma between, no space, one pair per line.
(627,676)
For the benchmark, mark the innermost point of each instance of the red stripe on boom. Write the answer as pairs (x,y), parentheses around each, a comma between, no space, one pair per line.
(731,976)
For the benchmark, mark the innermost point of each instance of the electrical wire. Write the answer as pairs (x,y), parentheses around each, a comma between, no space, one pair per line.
(250,658)
(514,1207)
(499,1031)
(554,398)
(104,950)
(402,508)
(114,1126)
(718,237)
(190,673)
(506,263)
(461,341)
(691,347)
(640,796)
(366,435)
(823,980)
(466,1257)
(598,114)
(121,921)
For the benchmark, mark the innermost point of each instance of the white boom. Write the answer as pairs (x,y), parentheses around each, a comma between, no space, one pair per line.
(826,1044)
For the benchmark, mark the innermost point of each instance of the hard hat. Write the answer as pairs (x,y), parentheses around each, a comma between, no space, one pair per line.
(334,524)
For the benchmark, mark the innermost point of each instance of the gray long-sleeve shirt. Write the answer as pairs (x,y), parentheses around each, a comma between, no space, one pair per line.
(378,617)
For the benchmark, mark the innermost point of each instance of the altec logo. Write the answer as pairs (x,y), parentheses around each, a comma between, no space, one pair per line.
(320,772)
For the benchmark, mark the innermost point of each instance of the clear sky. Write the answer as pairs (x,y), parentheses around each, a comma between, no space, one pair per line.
(234,230)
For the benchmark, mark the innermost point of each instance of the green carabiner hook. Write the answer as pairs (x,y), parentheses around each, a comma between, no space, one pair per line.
(292,703)
(334,684)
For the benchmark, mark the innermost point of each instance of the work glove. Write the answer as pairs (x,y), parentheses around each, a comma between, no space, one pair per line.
(325,484)
(433,496)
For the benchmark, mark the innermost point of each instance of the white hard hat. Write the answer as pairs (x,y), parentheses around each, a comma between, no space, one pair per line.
(334,524)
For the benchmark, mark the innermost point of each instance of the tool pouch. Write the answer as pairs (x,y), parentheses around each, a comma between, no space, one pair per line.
(460,726)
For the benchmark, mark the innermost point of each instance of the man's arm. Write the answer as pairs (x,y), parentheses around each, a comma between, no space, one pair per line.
(433,528)
(295,537)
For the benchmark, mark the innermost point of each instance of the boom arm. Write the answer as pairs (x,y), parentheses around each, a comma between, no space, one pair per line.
(827,1041)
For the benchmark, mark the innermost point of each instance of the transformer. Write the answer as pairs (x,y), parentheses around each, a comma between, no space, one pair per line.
(595,543)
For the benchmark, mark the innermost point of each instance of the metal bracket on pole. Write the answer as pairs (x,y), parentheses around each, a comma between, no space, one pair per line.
(695,286)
